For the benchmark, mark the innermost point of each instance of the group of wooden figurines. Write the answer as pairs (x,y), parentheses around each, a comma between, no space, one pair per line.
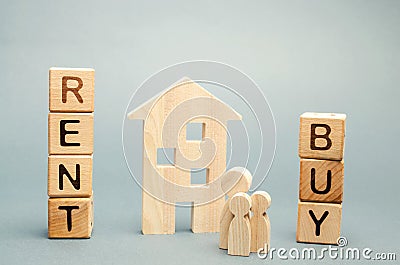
(241,232)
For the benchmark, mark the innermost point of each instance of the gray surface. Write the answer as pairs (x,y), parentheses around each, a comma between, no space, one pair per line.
(340,56)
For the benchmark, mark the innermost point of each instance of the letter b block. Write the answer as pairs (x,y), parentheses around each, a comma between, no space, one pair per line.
(70,217)
(322,135)
(70,133)
(71,89)
(318,222)
(69,176)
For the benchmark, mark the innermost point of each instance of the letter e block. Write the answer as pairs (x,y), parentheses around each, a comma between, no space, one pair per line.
(69,176)
(322,135)
(318,222)
(71,89)
(70,217)
(321,180)
(70,133)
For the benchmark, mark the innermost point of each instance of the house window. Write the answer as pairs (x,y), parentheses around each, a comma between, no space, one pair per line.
(194,131)
(198,176)
(165,156)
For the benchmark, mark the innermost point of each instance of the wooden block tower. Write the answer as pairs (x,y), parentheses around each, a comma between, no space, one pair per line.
(70,147)
(321,149)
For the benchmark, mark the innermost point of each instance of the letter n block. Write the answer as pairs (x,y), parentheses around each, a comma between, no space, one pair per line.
(70,217)
(322,135)
(70,176)
(71,89)
(321,180)
(318,222)
(70,133)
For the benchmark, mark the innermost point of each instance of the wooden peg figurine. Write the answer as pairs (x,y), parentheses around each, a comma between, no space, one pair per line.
(239,230)
(235,180)
(259,222)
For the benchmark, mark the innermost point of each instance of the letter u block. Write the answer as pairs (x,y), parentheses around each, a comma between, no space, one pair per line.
(71,89)
(322,135)
(321,180)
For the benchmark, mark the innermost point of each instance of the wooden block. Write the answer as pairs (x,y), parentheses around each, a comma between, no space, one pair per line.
(259,222)
(322,135)
(70,217)
(71,89)
(239,229)
(70,133)
(318,222)
(69,176)
(321,180)
(235,180)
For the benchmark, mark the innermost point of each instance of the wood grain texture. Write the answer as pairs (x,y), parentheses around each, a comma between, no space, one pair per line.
(259,222)
(71,89)
(240,230)
(205,216)
(235,180)
(321,180)
(59,166)
(81,217)
(71,123)
(166,185)
(327,214)
(322,126)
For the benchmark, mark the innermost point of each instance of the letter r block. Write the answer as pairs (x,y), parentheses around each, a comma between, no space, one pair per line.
(69,176)
(70,133)
(70,217)
(318,222)
(322,135)
(71,89)
(321,180)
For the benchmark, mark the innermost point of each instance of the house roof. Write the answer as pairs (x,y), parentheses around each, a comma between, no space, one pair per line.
(141,112)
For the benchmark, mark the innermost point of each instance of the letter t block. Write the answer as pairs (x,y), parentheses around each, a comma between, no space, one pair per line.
(70,217)
(322,135)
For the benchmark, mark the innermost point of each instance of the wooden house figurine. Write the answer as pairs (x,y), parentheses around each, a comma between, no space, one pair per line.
(166,117)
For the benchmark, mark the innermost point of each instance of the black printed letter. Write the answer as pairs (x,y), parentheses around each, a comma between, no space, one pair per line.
(318,222)
(328,182)
(74,90)
(63,132)
(69,217)
(63,171)
(325,136)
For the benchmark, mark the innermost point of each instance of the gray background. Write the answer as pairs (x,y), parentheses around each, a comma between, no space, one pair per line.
(336,56)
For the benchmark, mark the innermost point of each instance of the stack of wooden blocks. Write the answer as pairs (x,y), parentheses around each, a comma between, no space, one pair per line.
(321,149)
(70,143)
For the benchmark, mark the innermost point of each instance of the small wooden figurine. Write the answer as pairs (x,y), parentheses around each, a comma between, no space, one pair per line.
(239,230)
(260,225)
(233,181)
